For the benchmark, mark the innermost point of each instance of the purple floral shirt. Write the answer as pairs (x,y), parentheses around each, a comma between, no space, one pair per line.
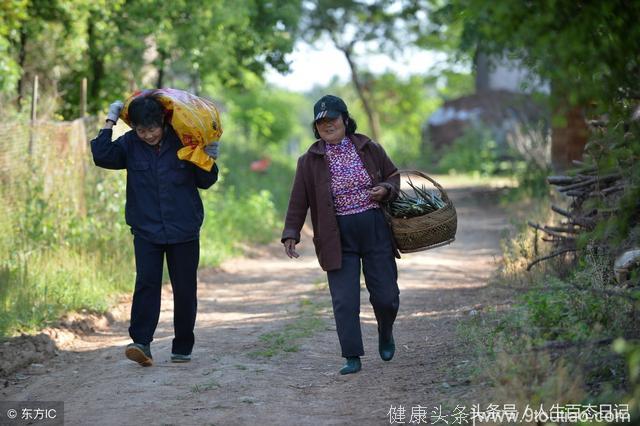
(349,179)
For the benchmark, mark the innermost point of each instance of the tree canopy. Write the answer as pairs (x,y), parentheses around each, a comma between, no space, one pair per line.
(122,44)
(589,51)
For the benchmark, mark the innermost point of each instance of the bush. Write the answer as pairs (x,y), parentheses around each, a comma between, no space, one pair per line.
(479,151)
(232,219)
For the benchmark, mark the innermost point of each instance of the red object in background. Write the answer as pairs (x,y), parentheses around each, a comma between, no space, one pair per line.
(261,165)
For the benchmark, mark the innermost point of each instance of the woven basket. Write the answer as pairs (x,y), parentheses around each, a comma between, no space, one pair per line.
(428,231)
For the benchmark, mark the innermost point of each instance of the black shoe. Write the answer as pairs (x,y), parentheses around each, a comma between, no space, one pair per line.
(353,365)
(387,348)
(139,353)
(180,358)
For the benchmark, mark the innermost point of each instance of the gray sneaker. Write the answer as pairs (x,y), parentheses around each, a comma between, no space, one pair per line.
(139,353)
(180,358)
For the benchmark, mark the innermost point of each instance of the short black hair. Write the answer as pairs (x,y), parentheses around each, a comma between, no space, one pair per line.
(146,111)
(349,123)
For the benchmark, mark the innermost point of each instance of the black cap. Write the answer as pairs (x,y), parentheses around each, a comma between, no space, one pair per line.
(329,106)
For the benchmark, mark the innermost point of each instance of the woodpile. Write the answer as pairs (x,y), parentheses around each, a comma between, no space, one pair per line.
(587,184)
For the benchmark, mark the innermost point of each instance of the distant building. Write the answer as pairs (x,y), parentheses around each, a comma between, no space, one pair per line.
(502,102)
(506,74)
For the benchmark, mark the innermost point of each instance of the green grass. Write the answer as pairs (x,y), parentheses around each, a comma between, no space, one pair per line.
(203,387)
(63,246)
(40,288)
(307,321)
(540,347)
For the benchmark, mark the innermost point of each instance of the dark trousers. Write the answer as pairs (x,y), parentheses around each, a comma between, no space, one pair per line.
(182,262)
(366,241)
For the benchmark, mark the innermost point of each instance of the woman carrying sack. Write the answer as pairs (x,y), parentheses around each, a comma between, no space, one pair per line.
(165,213)
(342,179)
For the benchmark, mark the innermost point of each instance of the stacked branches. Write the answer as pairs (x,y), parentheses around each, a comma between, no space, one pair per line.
(587,184)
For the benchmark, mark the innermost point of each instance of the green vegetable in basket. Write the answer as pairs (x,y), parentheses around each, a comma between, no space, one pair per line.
(423,202)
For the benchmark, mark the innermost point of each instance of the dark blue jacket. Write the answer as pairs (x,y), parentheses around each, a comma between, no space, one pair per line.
(163,204)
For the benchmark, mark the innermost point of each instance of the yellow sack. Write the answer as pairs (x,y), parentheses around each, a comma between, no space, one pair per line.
(196,121)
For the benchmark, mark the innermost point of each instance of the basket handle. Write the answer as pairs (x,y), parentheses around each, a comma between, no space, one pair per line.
(419,173)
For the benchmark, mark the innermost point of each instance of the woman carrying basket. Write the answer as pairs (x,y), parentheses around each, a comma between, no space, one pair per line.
(342,179)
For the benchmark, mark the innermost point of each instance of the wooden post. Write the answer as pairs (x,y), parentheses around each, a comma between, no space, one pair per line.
(34,113)
(83,98)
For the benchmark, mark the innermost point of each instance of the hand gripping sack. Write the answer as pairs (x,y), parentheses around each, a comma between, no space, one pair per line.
(196,121)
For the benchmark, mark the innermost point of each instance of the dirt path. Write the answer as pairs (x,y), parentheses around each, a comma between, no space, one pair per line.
(267,352)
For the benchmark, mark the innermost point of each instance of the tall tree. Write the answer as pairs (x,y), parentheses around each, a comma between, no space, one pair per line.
(358,24)
(21,25)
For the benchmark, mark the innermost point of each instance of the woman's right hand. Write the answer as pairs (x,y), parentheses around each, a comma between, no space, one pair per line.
(114,111)
(290,248)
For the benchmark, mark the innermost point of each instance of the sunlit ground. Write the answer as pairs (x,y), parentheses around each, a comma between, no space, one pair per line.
(451,181)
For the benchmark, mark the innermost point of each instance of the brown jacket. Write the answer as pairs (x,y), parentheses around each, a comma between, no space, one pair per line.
(312,190)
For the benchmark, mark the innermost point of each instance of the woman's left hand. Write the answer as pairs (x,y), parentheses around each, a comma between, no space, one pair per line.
(378,193)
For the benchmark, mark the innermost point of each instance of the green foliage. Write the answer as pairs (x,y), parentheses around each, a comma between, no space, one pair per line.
(367,21)
(267,119)
(263,123)
(588,50)
(384,26)
(631,351)
(120,45)
(532,182)
(544,346)
(569,315)
(452,84)
(478,151)
(237,174)
(9,70)
(616,151)
(403,106)
(232,219)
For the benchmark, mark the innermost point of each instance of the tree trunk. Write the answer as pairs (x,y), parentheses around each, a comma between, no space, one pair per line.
(96,64)
(195,83)
(161,67)
(372,116)
(569,131)
(482,68)
(568,140)
(22,59)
